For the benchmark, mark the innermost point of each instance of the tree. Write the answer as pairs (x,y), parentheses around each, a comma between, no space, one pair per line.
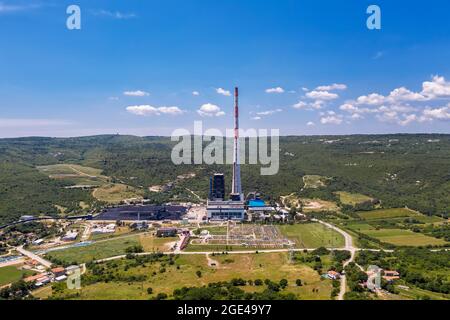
(149,290)
(161,296)
(298,282)
(198,273)
(283,283)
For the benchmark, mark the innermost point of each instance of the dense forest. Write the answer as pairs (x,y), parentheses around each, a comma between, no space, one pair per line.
(400,170)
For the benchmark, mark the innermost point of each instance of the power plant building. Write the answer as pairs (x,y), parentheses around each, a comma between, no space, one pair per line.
(234,209)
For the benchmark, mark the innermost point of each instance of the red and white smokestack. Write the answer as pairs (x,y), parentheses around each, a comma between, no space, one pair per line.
(236,113)
(236,184)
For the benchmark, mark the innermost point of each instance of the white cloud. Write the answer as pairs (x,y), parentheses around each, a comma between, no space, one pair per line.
(322,95)
(268,112)
(334,86)
(331,119)
(437,113)
(437,88)
(300,105)
(316,105)
(310,124)
(114,14)
(275,90)
(407,119)
(210,110)
(256,118)
(8,8)
(305,89)
(356,116)
(137,93)
(371,99)
(223,92)
(147,110)
(403,94)
(195,93)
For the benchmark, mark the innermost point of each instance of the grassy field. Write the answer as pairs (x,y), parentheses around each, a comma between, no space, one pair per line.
(416,293)
(80,175)
(95,251)
(216,248)
(352,198)
(219,230)
(312,235)
(11,274)
(388,213)
(114,193)
(105,248)
(398,237)
(76,174)
(154,244)
(273,266)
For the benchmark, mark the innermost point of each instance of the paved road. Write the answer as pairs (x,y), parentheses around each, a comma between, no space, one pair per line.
(33,256)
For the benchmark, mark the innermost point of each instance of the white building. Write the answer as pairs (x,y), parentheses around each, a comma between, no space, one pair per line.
(226,210)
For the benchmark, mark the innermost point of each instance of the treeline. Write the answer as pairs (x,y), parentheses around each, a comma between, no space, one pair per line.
(231,291)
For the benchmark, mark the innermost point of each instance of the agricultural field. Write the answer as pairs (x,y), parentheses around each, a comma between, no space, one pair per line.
(273,266)
(398,237)
(352,199)
(12,274)
(389,213)
(312,235)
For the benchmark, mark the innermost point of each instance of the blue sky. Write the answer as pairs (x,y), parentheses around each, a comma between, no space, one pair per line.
(149,67)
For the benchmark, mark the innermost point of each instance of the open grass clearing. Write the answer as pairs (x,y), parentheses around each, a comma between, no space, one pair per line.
(352,199)
(312,235)
(314,181)
(273,266)
(12,274)
(96,251)
(388,213)
(115,193)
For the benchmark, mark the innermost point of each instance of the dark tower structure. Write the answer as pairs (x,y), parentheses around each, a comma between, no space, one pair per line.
(218,187)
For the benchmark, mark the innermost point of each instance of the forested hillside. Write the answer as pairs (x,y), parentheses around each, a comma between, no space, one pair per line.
(400,170)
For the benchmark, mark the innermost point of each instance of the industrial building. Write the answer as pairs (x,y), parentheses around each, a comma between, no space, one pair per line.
(166,232)
(217,187)
(233,209)
(142,212)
